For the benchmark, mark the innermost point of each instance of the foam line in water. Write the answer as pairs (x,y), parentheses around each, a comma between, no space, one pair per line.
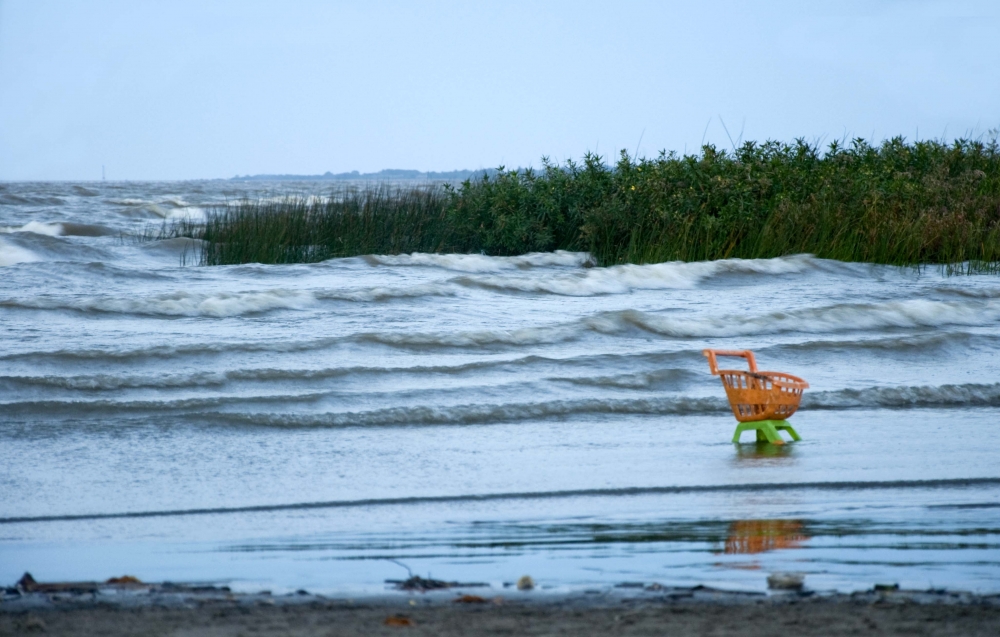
(99,406)
(173,351)
(963,396)
(636,380)
(37,227)
(840,317)
(914,313)
(954,483)
(204,408)
(180,303)
(385,293)
(105,381)
(622,279)
(483,263)
(62,228)
(467,414)
(221,304)
(923,343)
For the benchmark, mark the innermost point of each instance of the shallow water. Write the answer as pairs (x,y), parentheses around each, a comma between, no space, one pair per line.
(475,418)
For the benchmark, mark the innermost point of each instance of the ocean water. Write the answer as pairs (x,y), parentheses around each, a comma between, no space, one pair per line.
(330,426)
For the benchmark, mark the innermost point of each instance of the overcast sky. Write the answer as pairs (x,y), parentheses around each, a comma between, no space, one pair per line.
(174,90)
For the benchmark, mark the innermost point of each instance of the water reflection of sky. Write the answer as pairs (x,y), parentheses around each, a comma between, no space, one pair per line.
(848,541)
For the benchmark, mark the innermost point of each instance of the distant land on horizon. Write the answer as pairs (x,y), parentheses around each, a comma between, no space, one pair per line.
(390,174)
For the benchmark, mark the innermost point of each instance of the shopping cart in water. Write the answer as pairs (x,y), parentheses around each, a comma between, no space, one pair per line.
(761,401)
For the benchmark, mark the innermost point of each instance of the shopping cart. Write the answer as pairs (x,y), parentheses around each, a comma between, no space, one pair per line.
(761,401)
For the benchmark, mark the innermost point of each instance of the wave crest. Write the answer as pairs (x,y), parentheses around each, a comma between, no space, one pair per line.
(483,263)
(620,279)
(841,317)
(173,304)
(12,254)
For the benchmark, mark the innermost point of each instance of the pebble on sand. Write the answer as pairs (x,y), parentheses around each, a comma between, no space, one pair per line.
(785,581)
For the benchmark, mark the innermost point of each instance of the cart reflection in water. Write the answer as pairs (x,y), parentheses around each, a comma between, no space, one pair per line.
(761,536)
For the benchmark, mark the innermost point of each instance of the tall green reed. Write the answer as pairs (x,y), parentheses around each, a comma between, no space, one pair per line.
(896,203)
(375,220)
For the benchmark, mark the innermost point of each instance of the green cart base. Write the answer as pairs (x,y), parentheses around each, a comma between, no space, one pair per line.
(767,431)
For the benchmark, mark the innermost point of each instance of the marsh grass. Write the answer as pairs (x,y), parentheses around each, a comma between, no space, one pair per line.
(373,220)
(894,203)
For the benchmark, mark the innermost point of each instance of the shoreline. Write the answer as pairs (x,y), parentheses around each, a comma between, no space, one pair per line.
(136,608)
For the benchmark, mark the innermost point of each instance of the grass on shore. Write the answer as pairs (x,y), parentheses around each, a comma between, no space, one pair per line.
(895,203)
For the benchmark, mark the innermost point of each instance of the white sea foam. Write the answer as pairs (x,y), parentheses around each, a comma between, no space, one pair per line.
(184,303)
(897,397)
(11,254)
(620,279)
(384,293)
(169,211)
(189,213)
(483,263)
(180,303)
(468,414)
(37,227)
(174,246)
(982,395)
(308,200)
(828,319)
(109,382)
(477,413)
(479,338)
(58,229)
(832,318)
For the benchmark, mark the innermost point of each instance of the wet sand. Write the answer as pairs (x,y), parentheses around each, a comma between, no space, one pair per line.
(708,613)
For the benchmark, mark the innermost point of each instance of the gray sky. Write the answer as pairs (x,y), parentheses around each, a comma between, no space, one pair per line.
(174,90)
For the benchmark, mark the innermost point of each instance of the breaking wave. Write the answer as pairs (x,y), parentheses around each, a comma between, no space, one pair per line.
(660,378)
(474,414)
(172,351)
(170,209)
(829,319)
(971,394)
(477,414)
(483,263)
(174,304)
(913,313)
(868,398)
(205,409)
(219,305)
(38,227)
(11,254)
(108,382)
(385,293)
(64,228)
(841,317)
(621,279)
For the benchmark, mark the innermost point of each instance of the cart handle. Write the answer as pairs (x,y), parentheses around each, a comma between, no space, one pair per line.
(713,365)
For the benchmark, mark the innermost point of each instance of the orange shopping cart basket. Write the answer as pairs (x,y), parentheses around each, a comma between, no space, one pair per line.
(761,401)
